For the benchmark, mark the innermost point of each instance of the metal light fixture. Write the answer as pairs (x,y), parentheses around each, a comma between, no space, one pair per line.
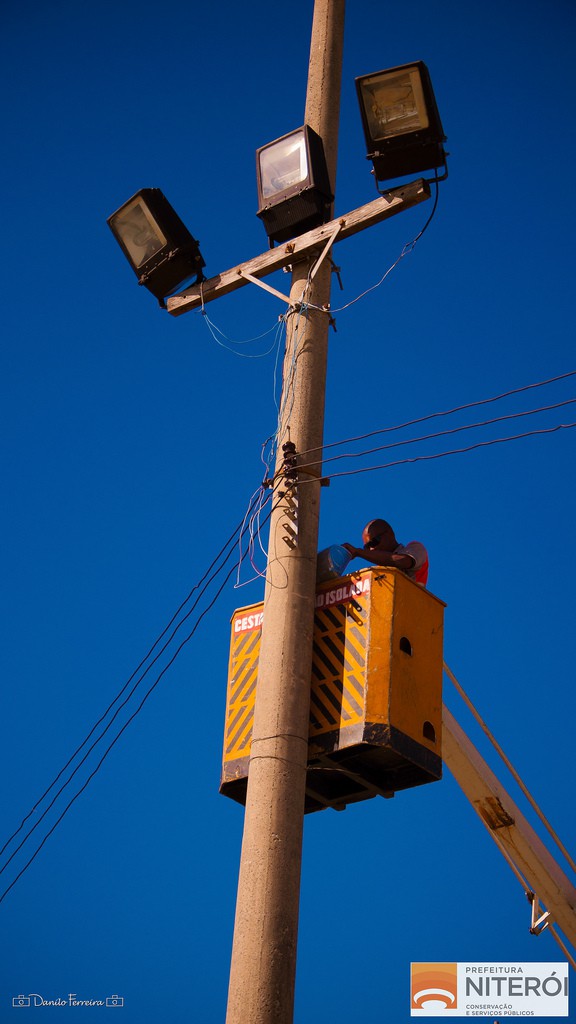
(156,243)
(401,122)
(294,193)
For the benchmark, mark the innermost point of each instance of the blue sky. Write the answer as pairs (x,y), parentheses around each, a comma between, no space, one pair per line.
(131,447)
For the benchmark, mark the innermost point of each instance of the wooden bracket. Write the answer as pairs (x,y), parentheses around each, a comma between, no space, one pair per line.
(393,202)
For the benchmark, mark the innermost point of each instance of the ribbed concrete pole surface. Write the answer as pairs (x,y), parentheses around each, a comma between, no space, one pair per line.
(263,967)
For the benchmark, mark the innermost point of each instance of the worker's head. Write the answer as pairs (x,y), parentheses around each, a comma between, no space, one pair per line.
(379,535)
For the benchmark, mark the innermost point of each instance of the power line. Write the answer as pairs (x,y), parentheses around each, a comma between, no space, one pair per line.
(110,723)
(129,720)
(440,433)
(206,579)
(446,412)
(119,694)
(112,744)
(454,451)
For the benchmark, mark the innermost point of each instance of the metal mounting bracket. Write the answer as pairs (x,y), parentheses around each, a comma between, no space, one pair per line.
(538,923)
(326,249)
(266,287)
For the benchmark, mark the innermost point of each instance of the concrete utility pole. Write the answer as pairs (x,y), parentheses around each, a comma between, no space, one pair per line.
(263,965)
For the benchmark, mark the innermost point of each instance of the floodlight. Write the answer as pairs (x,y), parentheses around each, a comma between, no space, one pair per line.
(158,246)
(294,193)
(401,122)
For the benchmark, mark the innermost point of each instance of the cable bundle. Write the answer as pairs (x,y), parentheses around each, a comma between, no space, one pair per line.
(97,744)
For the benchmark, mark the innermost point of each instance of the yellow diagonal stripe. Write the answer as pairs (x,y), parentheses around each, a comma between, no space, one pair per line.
(338,671)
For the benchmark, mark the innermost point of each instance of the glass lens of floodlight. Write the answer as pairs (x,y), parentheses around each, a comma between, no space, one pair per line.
(139,231)
(394,103)
(283,164)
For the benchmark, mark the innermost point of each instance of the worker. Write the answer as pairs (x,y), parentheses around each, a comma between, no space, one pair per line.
(382,548)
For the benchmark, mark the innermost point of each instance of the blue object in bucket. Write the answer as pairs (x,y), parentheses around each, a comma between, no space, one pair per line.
(332,563)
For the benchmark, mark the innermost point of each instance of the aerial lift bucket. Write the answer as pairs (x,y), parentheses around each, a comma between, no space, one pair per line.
(376,690)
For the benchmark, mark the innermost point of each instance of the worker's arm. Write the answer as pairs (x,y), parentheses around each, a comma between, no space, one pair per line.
(387,558)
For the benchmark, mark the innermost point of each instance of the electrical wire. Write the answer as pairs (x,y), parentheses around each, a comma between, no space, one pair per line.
(460,690)
(215,331)
(285,405)
(290,373)
(440,433)
(255,533)
(104,731)
(446,412)
(260,499)
(110,723)
(120,732)
(276,361)
(113,743)
(441,455)
(299,311)
(406,250)
(206,579)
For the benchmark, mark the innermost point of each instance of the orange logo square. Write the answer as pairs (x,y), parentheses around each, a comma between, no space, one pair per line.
(434,986)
